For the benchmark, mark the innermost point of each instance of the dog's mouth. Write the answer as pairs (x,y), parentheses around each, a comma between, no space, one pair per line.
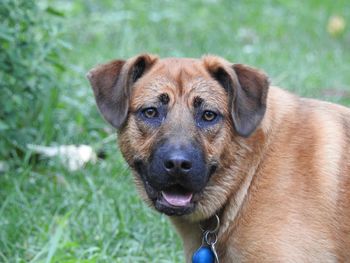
(175,200)
(172,195)
(176,196)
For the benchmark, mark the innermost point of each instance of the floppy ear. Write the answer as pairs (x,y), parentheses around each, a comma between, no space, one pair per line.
(247,89)
(249,106)
(112,84)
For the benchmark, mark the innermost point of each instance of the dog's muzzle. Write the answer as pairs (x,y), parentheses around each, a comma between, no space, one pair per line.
(173,176)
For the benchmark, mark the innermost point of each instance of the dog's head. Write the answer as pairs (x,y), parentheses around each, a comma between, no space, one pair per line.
(176,119)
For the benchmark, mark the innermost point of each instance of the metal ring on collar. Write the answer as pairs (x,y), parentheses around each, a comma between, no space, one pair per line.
(210,238)
(216,227)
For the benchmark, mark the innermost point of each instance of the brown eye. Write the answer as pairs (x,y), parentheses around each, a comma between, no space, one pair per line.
(150,113)
(209,116)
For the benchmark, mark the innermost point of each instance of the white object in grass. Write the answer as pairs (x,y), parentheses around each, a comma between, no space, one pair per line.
(73,157)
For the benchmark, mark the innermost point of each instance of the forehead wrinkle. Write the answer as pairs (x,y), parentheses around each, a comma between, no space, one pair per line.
(148,92)
(182,72)
(212,94)
(177,76)
(205,85)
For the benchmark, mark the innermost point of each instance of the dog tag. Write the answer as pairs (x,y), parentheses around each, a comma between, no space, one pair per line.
(207,252)
(204,255)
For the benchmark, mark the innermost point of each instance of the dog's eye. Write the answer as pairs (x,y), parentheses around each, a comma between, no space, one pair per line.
(150,113)
(209,115)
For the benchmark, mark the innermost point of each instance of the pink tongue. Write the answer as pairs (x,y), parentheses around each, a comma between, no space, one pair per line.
(177,199)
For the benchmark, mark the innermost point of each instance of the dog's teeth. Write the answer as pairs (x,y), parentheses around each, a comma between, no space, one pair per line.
(176,199)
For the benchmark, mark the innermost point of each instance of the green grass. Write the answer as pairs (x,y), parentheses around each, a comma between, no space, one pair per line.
(48,214)
(52,215)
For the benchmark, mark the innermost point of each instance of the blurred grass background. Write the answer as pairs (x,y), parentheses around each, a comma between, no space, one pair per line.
(51,214)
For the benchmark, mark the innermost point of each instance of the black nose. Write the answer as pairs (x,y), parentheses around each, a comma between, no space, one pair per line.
(177,164)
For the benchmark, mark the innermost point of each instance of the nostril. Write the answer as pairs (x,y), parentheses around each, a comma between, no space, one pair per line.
(186,165)
(177,165)
(169,164)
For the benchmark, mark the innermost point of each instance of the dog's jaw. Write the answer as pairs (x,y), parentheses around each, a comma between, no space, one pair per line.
(189,203)
(158,198)
(163,206)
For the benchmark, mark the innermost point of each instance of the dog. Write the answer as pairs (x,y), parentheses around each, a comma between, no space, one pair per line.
(206,138)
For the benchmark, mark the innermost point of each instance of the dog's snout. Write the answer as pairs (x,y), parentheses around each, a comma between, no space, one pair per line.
(177,163)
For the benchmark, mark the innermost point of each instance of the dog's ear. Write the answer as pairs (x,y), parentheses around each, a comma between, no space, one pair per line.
(112,84)
(247,88)
(249,106)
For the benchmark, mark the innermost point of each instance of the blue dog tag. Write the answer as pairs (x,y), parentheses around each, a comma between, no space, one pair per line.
(206,253)
(203,255)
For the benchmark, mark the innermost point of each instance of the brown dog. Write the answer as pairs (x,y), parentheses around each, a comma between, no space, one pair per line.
(206,137)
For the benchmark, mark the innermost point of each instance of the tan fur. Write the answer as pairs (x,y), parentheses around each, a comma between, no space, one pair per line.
(282,193)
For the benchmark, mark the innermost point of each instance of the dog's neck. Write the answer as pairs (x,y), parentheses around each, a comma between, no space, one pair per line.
(260,143)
